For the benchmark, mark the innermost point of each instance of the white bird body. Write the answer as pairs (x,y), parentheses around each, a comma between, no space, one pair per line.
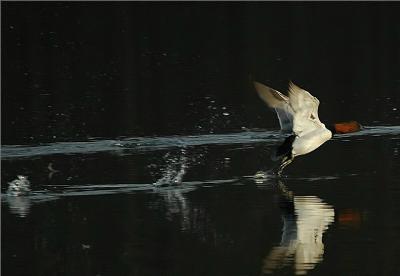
(310,141)
(297,113)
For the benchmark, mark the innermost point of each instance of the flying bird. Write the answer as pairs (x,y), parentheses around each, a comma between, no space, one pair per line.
(298,115)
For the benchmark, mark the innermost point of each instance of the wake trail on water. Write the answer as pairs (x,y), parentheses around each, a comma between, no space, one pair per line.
(146,144)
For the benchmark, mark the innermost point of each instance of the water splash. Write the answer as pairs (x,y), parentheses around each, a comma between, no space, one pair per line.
(175,169)
(17,192)
(19,186)
(263,178)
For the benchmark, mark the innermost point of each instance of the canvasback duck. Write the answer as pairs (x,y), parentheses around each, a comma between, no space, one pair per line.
(298,115)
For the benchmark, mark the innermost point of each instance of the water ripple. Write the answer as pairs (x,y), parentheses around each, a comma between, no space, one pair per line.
(145,144)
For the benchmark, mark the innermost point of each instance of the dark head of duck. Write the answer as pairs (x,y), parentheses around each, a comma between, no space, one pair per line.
(345,127)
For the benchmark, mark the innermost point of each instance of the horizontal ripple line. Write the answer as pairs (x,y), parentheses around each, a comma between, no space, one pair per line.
(142,144)
(139,144)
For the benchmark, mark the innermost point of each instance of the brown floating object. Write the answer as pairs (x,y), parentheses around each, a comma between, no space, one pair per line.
(347,127)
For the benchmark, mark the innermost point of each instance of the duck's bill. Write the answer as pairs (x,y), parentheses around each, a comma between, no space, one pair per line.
(347,127)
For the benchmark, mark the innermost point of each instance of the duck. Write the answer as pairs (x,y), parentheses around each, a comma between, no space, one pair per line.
(298,115)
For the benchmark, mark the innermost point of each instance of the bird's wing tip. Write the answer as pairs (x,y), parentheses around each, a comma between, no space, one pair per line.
(294,88)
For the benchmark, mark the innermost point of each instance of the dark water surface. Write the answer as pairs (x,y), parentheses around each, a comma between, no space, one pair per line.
(147,149)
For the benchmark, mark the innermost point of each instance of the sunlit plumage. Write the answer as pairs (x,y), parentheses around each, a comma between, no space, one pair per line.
(298,114)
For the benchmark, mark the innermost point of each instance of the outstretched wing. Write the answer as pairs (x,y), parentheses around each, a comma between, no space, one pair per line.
(305,107)
(279,102)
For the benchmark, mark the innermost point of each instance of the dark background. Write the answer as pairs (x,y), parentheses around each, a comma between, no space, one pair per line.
(83,70)
(72,71)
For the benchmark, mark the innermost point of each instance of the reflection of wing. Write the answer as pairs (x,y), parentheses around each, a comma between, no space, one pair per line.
(313,218)
(279,102)
(305,108)
(302,235)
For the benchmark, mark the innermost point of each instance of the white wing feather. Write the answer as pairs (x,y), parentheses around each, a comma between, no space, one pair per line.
(297,113)
(305,110)
(279,102)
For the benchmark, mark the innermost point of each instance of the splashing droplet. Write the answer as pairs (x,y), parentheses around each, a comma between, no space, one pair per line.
(19,186)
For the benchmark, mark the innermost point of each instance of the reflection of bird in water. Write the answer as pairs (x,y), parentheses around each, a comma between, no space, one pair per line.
(177,205)
(298,114)
(305,219)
